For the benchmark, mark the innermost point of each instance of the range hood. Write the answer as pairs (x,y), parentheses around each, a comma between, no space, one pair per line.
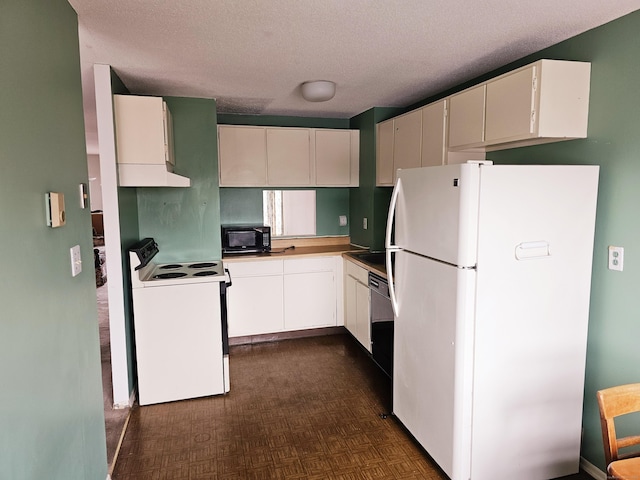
(149,175)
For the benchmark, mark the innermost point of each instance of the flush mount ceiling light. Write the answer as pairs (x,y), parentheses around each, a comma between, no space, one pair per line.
(318,90)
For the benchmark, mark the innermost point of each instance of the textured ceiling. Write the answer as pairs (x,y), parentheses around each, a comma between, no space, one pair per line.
(252,55)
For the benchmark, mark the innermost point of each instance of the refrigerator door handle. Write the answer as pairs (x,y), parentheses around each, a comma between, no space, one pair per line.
(389,248)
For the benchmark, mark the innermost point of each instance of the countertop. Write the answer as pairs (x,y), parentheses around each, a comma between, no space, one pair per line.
(315,247)
(287,252)
(372,267)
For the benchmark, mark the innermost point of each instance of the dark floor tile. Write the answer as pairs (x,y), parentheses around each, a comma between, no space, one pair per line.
(310,408)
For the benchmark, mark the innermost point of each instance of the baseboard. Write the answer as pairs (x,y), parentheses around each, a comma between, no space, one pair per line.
(592,470)
(132,400)
(117,452)
(276,337)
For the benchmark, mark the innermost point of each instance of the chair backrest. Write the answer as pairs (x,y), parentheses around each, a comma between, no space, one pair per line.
(613,402)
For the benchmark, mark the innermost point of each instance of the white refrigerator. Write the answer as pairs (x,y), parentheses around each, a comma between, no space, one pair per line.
(490,284)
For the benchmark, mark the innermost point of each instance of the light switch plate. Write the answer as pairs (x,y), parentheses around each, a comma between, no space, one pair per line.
(76,260)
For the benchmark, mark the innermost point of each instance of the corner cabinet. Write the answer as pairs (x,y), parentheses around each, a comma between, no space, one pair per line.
(415,139)
(287,157)
(273,296)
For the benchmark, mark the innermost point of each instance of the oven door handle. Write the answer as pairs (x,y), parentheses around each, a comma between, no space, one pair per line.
(229,283)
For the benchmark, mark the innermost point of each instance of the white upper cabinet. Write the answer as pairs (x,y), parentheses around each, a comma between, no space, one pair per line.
(466,118)
(287,157)
(144,142)
(142,130)
(337,157)
(407,142)
(547,101)
(384,153)
(434,134)
(246,151)
(543,102)
(414,139)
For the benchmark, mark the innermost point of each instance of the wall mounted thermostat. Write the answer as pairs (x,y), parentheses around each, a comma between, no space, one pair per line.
(56,216)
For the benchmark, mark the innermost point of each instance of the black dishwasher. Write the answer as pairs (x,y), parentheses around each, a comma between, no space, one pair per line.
(381,323)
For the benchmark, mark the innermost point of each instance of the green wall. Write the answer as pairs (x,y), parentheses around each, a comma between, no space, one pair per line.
(51,407)
(185,221)
(244,205)
(369,201)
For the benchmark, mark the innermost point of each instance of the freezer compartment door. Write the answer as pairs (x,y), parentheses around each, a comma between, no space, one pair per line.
(432,358)
(436,214)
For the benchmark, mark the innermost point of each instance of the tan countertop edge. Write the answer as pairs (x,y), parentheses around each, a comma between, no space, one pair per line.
(372,268)
(304,247)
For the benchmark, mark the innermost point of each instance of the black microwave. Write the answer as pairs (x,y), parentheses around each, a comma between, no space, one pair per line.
(246,238)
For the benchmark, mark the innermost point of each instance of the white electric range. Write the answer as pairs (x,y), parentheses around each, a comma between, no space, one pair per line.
(180,326)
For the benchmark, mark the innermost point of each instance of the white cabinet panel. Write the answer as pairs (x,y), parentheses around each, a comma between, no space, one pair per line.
(407,143)
(309,300)
(363,327)
(466,118)
(140,130)
(433,134)
(270,296)
(255,305)
(384,153)
(510,106)
(243,156)
(333,157)
(288,157)
(356,302)
(255,300)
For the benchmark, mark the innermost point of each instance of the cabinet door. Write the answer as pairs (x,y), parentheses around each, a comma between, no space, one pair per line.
(433,134)
(407,141)
(384,153)
(255,306)
(288,157)
(243,158)
(510,107)
(466,118)
(333,157)
(309,300)
(350,302)
(140,129)
(363,322)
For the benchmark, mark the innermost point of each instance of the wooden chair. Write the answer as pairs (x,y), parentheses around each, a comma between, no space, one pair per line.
(613,402)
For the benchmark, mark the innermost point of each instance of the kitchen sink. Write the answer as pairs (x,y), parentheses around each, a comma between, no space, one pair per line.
(377,258)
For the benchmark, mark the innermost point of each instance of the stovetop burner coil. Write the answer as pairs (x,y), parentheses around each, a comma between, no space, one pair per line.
(170,275)
(204,273)
(203,265)
(170,266)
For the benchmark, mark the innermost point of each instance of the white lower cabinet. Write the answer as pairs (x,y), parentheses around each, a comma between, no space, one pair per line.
(356,301)
(255,299)
(309,300)
(271,296)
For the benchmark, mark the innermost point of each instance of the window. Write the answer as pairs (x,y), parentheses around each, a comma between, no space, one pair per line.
(290,212)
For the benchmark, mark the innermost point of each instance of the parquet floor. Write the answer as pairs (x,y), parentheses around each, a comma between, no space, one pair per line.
(298,409)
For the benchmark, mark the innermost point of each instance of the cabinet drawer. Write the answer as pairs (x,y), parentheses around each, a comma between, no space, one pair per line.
(357,272)
(253,269)
(306,265)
